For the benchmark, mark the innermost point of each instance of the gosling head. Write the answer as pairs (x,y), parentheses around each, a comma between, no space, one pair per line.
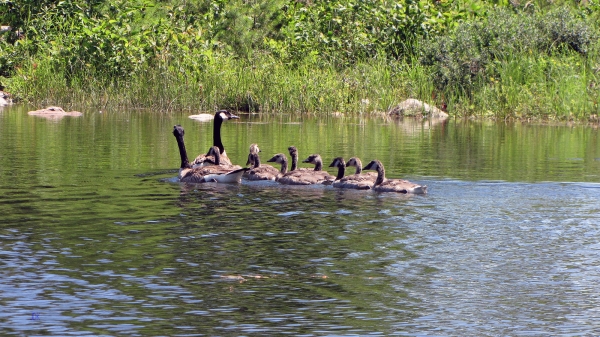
(338,162)
(373,165)
(278,158)
(354,162)
(254,148)
(313,159)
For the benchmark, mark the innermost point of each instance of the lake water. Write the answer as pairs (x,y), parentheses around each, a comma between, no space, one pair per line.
(97,238)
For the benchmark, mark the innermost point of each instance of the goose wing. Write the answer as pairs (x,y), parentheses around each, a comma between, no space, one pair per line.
(401,186)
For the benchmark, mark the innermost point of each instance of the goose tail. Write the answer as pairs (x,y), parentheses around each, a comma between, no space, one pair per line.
(230,177)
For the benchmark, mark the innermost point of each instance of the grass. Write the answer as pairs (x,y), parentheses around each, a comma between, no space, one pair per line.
(526,86)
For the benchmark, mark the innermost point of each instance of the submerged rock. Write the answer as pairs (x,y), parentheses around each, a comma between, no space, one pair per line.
(414,107)
(54,112)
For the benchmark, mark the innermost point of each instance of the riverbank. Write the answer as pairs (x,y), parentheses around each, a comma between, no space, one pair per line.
(506,63)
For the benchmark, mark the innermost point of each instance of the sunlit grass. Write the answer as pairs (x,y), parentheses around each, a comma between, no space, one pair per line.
(525,87)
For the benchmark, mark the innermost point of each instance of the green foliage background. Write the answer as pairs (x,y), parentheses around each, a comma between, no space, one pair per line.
(493,58)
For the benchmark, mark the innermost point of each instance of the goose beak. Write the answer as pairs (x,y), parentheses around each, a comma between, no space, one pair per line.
(234,116)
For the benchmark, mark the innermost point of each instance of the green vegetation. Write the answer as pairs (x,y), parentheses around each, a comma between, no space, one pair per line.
(499,59)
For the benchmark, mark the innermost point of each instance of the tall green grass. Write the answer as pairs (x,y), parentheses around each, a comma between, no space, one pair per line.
(525,86)
(261,84)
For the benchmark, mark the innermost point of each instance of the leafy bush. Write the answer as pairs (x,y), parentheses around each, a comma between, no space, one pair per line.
(469,55)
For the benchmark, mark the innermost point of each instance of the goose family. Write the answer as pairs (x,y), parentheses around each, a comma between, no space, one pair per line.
(215,166)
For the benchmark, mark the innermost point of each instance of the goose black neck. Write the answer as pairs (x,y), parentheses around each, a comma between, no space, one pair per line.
(341,172)
(185,163)
(217,134)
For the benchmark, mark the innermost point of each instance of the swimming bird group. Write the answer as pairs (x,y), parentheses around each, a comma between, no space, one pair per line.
(215,166)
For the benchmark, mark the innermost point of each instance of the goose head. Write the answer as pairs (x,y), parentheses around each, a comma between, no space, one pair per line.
(224,115)
(338,162)
(341,165)
(292,150)
(254,148)
(374,165)
(178,131)
(316,160)
(278,158)
(313,159)
(253,155)
(354,161)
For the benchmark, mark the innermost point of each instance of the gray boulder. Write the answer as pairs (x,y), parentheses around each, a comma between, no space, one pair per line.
(4,99)
(416,108)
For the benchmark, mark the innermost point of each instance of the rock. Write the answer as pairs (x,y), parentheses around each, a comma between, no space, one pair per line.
(54,112)
(414,107)
(4,99)
(202,117)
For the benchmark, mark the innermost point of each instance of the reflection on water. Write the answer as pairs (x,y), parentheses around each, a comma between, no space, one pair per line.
(97,238)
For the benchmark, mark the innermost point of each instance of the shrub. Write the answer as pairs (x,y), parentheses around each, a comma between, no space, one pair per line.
(468,56)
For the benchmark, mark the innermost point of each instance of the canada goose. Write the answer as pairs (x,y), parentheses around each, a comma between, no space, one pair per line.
(392,185)
(304,176)
(356,181)
(204,159)
(216,173)
(294,154)
(355,161)
(258,171)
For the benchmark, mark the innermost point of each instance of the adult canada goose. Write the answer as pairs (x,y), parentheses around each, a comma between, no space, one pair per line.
(258,171)
(392,185)
(356,181)
(302,177)
(205,159)
(216,173)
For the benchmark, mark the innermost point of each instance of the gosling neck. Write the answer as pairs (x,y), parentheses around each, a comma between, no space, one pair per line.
(284,166)
(318,164)
(380,175)
(294,155)
(358,167)
(256,159)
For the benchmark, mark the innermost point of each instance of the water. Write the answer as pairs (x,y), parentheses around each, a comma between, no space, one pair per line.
(96,238)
